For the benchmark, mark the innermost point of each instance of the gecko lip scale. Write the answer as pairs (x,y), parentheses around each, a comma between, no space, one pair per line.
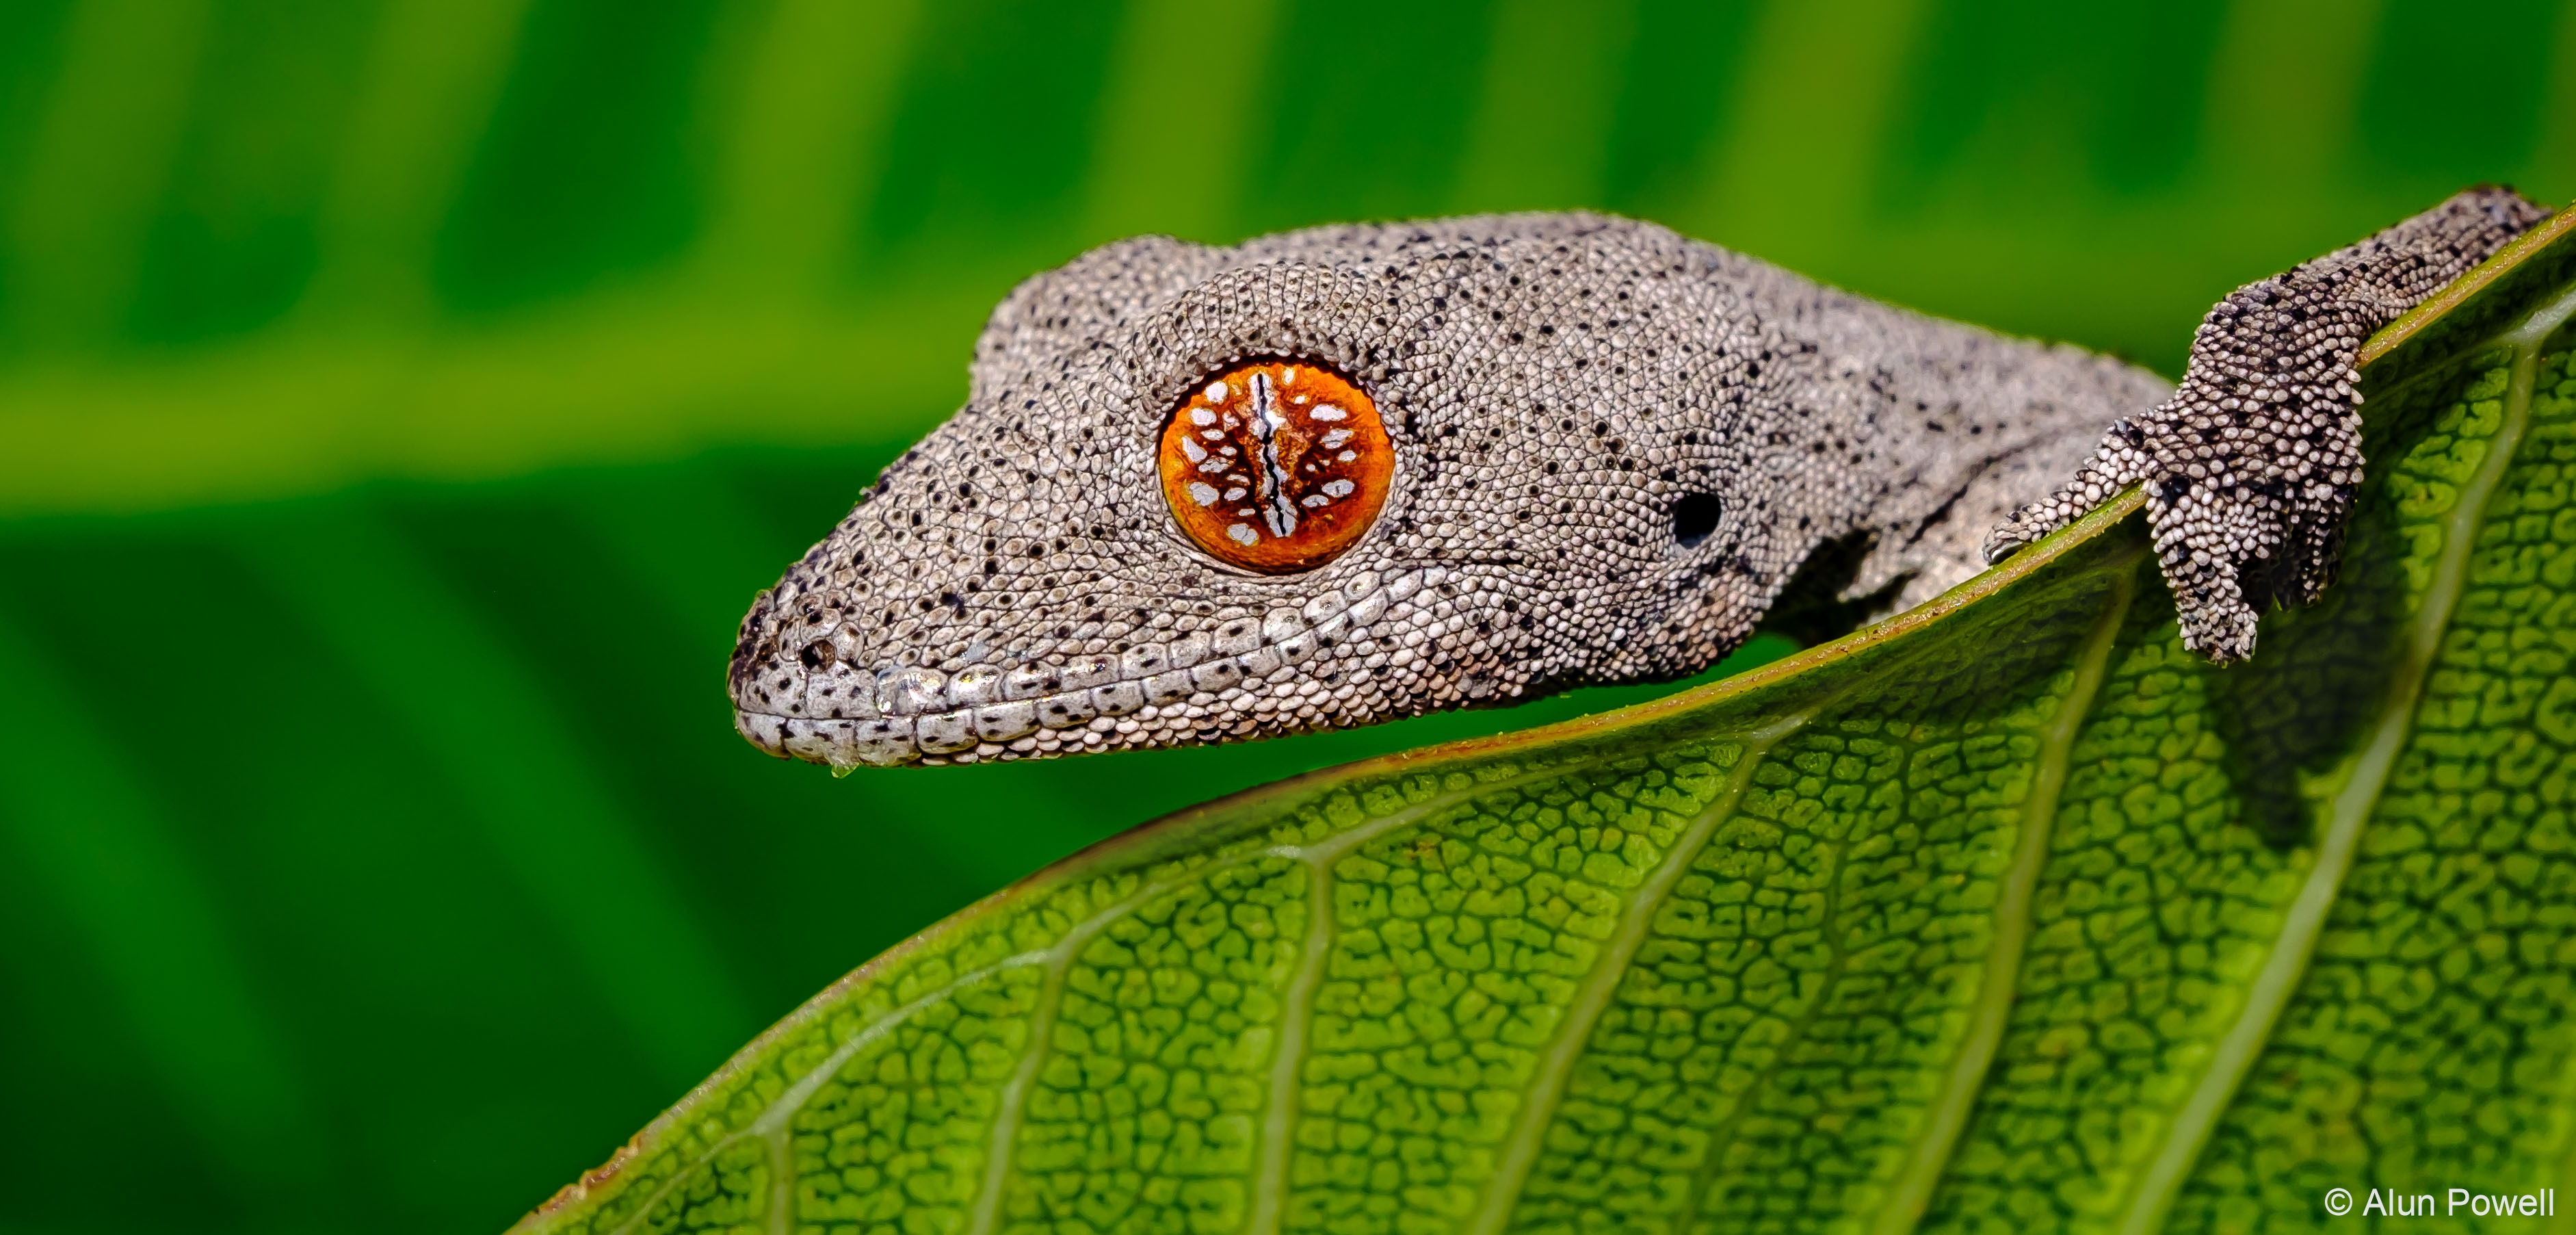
(903,714)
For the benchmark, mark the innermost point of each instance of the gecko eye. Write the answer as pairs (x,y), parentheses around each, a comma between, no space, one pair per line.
(1276,465)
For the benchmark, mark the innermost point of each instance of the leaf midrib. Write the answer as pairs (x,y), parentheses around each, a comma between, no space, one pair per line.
(1712,1166)
(1501,1191)
(2000,985)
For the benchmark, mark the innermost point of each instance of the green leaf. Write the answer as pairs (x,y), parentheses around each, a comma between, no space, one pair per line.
(2006,913)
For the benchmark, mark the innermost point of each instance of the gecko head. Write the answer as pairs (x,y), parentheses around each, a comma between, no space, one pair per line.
(1071,564)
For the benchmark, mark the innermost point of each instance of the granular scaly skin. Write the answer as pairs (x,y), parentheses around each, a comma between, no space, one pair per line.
(1613,446)
(2252,465)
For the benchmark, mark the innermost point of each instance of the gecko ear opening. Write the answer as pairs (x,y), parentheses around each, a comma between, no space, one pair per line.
(1695,515)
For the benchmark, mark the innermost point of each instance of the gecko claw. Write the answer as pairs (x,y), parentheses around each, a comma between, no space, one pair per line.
(2114,466)
(2017,532)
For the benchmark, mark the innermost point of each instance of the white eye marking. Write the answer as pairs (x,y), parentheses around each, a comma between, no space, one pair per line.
(1233,495)
(1288,376)
(1329,412)
(1335,438)
(1216,393)
(1213,435)
(1202,493)
(1213,465)
(1243,534)
(1202,416)
(1196,452)
(1339,488)
(1347,455)
(1314,500)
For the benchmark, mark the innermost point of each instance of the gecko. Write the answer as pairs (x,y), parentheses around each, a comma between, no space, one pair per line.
(1355,473)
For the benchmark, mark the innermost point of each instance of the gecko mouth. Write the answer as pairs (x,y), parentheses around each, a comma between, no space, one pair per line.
(1241,676)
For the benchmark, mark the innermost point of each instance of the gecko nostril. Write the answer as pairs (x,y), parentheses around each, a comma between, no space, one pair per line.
(1695,515)
(818,654)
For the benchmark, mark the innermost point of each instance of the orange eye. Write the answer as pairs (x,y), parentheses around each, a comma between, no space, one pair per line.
(1276,466)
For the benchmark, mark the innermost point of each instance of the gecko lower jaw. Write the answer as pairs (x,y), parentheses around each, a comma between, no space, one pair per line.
(1202,684)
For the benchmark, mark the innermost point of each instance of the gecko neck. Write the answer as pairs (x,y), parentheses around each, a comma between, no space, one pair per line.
(1944,429)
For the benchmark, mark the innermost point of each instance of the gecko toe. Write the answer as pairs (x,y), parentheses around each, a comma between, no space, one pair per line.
(2219,627)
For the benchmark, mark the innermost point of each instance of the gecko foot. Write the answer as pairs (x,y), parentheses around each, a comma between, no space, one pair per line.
(2251,467)
(2248,485)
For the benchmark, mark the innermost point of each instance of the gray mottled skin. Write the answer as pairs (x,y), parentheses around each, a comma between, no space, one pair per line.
(1555,386)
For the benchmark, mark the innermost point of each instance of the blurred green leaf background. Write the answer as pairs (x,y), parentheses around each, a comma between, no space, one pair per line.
(400,400)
